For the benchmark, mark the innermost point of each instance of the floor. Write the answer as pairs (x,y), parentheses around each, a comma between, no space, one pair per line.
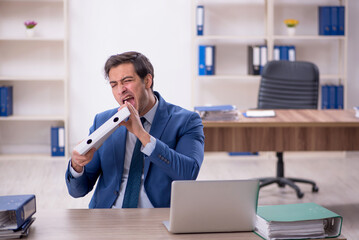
(336,174)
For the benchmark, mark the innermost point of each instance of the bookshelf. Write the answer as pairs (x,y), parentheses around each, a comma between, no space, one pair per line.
(232,25)
(37,68)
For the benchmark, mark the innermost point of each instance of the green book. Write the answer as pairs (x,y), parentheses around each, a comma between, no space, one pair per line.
(297,221)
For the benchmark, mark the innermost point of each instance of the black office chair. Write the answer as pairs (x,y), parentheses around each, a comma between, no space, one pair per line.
(288,85)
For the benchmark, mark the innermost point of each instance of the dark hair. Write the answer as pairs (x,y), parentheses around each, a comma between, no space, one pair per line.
(141,63)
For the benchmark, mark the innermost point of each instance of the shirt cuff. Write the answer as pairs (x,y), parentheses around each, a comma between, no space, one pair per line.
(74,173)
(148,149)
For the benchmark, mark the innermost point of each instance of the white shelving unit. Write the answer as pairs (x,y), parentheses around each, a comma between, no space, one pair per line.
(37,68)
(232,25)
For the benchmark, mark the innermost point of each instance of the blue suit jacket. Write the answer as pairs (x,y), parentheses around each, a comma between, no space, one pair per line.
(178,155)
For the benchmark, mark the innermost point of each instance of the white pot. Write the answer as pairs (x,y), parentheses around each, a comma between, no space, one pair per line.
(30,32)
(291,31)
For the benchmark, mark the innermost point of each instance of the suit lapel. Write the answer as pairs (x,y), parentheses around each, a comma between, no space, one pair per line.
(158,125)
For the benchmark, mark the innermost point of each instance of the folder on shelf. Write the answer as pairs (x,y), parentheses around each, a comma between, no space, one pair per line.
(341,20)
(339,101)
(15,210)
(284,53)
(276,53)
(263,59)
(297,221)
(57,141)
(206,60)
(96,138)
(210,60)
(200,20)
(332,96)
(334,20)
(253,60)
(325,97)
(324,13)
(6,101)
(291,53)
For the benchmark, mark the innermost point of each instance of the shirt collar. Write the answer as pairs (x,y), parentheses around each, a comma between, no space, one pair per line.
(150,115)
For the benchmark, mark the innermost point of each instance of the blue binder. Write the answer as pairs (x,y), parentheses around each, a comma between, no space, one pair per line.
(201,60)
(341,20)
(283,53)
(339,103)
(6,101)
(57,141)
(334,22)
(324,13)
(332,96)
(200,20)
(20,208)
(325,97)
(206,59)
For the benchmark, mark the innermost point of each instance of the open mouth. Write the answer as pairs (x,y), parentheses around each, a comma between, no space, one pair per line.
(129,99)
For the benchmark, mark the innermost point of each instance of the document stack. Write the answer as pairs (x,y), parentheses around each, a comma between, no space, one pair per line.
(297,221)
(16,213)
(217,113)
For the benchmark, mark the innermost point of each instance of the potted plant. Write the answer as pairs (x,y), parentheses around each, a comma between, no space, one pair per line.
(291,24)
(30,27)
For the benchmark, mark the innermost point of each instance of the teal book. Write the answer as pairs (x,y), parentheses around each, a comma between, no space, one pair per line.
(297,221)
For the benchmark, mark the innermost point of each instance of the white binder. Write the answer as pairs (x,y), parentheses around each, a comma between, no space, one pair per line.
(103,132)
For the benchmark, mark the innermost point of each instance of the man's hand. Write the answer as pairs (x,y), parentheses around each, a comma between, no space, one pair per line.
(79,161)
(134,125)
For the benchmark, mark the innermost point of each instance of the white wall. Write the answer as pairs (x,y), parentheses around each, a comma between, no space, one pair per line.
(161,30)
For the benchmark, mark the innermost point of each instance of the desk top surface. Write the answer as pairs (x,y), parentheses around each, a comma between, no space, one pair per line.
(114,224)
(294,118)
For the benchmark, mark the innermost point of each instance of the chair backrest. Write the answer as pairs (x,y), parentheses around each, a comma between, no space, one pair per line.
(289,85)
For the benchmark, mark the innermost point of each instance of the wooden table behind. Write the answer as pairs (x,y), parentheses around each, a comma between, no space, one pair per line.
(290,130)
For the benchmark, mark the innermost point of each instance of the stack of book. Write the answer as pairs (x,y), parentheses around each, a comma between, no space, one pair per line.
(6,101)
(297,221)
(217,113)
(16,213)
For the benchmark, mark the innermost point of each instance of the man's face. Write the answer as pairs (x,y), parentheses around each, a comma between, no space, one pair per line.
(128,86)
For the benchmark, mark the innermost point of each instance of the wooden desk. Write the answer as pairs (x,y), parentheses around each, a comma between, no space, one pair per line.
(114,224)
(290,130)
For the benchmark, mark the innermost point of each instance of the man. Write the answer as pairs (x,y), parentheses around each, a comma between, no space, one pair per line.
(172,142)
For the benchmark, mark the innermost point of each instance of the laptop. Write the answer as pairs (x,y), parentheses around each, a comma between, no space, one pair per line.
(213,206)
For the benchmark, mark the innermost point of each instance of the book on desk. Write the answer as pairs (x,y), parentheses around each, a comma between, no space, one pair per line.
(16,213)
(217,112)
(297,221)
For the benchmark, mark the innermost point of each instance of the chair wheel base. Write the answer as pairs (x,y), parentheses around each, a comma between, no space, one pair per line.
(315,189)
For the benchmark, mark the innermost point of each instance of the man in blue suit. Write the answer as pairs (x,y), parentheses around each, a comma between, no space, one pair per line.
(172,142)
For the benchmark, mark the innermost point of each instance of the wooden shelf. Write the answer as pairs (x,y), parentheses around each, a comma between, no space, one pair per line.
(34,118)
(32,78)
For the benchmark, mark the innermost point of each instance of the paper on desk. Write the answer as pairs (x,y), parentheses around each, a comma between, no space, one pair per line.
(259,113)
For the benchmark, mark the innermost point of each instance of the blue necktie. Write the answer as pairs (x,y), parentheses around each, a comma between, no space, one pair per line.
(132,192)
